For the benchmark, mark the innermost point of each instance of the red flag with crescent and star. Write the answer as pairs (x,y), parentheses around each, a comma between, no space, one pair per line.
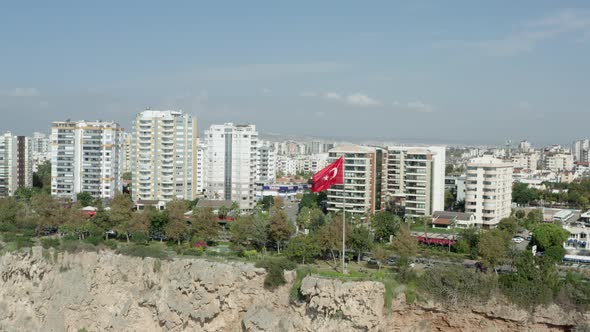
(328,176)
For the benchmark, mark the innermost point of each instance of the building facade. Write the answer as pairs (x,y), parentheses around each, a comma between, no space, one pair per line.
(40,150)
(266,163)
(16,170)
(416,178)
(164,156)
(365,185)
(231,163)
(580,150)
(86,157)
(488,190)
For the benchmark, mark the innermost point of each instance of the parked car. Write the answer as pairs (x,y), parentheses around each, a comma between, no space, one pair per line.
(373,262)
(517,239)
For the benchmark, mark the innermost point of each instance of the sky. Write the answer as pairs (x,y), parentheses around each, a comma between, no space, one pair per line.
(423,71)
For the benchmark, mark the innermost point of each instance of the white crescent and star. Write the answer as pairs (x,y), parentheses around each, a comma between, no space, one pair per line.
(333,172)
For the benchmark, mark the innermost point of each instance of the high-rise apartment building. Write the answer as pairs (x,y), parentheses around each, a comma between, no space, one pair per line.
(40,150)
(581,150)
(16,169)
(86,157)
(525,146)
(363,191)
(127,149)
(164,156)
(416,177)
(488,190)
(266,163)
(201,155)
(560,161)
(231,163)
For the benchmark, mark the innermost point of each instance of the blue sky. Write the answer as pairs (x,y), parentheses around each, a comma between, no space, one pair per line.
(428,71)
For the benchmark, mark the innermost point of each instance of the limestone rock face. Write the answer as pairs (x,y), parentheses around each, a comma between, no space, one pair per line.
(42,290)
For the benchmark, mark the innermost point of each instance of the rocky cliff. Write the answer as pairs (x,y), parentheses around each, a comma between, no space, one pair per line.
(43,290)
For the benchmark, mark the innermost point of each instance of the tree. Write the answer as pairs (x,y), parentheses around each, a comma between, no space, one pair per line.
(303,247)
(121,214)
(317,219)
(380,255)
(520,214)
(493,247)
(509,225)
(177,226)
(46,210)
(404,243)
(267,202)
(309,200)
(468,242)
(304,217)
(548,235)
(9,211)
(84,198)
(280,230)
(534,217)
(524,195)
(361,240)
(127,176)
(250,230)
(158,221)
(449,169)
(330,236)
(384,225)
(450,199)
(42,178)
(222,212)
(204,224)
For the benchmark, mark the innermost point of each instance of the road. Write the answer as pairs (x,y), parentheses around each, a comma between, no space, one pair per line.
(291,208)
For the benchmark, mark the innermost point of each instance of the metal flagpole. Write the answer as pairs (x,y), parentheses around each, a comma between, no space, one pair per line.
(343,235)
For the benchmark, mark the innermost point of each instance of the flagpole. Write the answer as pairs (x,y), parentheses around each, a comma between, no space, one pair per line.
(343,234)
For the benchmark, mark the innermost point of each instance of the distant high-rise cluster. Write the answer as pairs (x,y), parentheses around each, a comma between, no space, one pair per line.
(16,169)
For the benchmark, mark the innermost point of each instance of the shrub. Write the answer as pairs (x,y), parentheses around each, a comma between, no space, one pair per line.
(295,292)
(50,243)
(193,251)
(454,284)
(77,246)
(111,244)
(157,265)
(94,240)
(7,227)
(249,254)
(143,251)
(275,268)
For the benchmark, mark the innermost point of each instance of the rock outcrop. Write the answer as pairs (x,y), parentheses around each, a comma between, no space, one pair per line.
(43,290)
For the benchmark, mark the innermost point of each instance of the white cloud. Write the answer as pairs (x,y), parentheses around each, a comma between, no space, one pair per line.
(419,106)
(21,92)
(529,34)
(362,100)
(332,96)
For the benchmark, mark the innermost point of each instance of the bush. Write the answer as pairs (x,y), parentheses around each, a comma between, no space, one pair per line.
(111,244)
(249,254)
(193,251)
(295,292)
(275,268)
(7,227)
(454,284)
(143,251)
(94,240)
(20,241)
(77,246)
(50,243)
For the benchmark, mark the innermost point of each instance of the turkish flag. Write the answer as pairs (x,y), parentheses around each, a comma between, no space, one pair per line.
(330,175)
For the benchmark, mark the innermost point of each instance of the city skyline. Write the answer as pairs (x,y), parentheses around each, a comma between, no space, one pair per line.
(417,72)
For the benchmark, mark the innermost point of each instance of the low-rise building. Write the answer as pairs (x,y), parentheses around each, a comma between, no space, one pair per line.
(448,219)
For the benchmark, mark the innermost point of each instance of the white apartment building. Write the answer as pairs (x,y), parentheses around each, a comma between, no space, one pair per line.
(529,161)
(201,156)
(164,156)
(127,149)
(363,191)
(488,190)
(266,163)
(16,169)
(86,156)
(231,163)
(581,150)
(416,178)
(557,162)
(524,146)
(290,166)
(40,149)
